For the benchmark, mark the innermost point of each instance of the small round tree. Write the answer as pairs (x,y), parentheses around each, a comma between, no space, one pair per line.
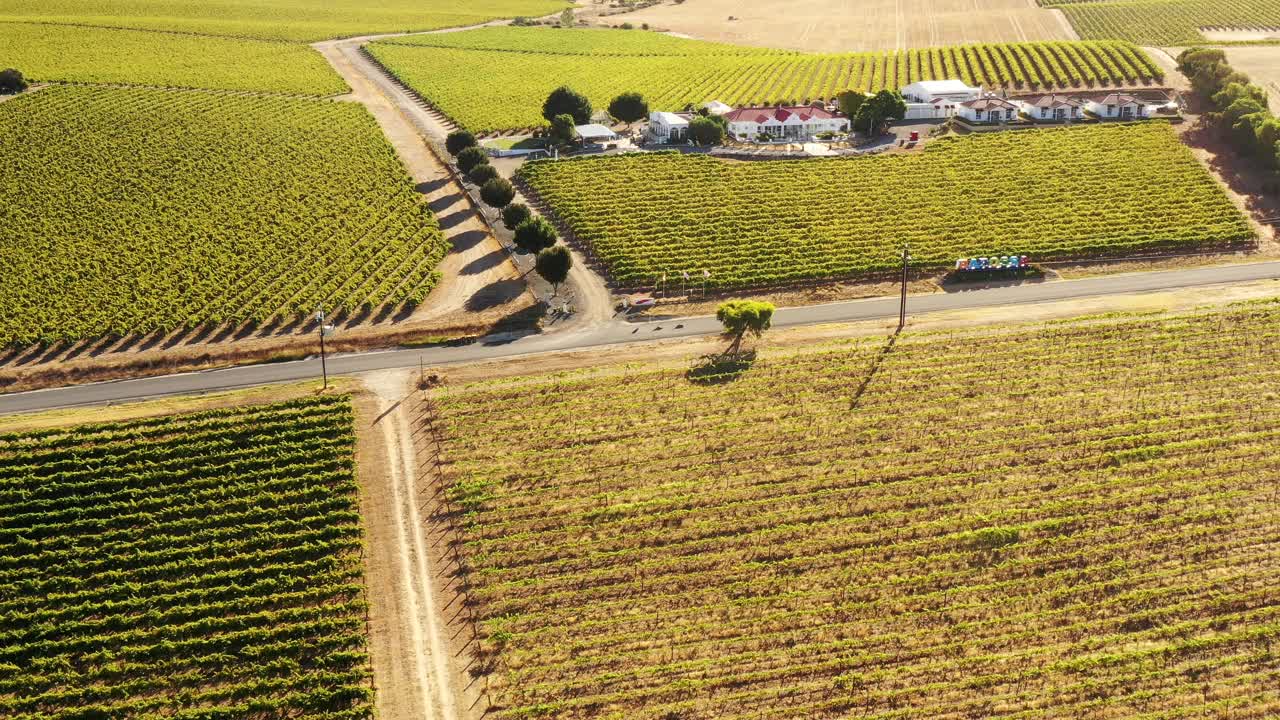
(706,131)
(553,265)
(535,234)
(563,130)
(471,157)
(497,193)
(563,101)
(740,317)
(458,141)
(629,107)
(11,82)
(513,215)
(482,173)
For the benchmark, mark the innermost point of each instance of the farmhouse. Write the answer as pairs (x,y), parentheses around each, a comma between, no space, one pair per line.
(785,122)
(988,109)
(1051,107)
(1118,105)
(934,99)
(669,127)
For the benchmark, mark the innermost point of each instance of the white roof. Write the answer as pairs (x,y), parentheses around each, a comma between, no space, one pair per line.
(715,107)
(942,86)
(667,118)
(594,130)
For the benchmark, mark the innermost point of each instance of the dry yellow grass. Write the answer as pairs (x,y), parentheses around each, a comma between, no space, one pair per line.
(843,25)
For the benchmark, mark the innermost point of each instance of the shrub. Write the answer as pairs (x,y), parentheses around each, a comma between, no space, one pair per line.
(535,234)
(513,215)
(458,141)
(482,173)
(497,192)
(469,158)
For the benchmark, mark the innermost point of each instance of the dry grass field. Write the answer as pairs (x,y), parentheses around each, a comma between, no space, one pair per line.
(1262,64)
(844,25)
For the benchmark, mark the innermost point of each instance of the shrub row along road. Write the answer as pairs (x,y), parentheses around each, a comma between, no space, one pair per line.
(618,332)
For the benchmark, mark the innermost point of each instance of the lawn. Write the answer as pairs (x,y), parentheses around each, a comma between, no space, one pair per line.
(1067,520)
(152,210)
(189,566)
(521,66)
(134,57)
(1087,191)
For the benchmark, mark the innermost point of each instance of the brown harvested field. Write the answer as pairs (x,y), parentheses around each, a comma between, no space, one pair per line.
(851,25)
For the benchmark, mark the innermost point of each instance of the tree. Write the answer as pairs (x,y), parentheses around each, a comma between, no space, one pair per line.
(706,131)
(497,192)
(534,234)
(513,215)
(1238,109)
(1237,91)
(566,17)
(482,173)
(1244,133)
(553,265)
(563,130)
(850,101)
(878,109)
(740,317)
(12,82)
(629,107)
(458,141)
(563,101)
(471,157)
(1268,135)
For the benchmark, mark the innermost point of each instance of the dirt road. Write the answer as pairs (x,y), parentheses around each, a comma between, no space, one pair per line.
(417,628)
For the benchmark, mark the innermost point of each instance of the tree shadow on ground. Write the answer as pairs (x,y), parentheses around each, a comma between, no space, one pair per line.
(716,369)
(499,292)
(430,186)
(468,239)
(454,219)
(441,204)
(483,263)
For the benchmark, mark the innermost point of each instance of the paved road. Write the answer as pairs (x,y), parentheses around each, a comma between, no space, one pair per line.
(618,332)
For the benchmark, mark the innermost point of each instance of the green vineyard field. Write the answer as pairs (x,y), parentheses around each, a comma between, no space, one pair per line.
(1061,521)
(520,66)
(191,566)
(1165,22)
(300,20)
(1050,194)
(133,211)
(133,57)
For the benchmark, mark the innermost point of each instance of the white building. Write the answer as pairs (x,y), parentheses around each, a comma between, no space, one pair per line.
(715,107)
(947,91)
(595,133)
(988,109)
(936,99)
(1118,106)
(669,127)
(1051,107)
(790,123)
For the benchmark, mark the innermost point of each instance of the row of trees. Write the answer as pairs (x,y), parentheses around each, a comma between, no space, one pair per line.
(870,113)
(565,108)
(1236,106)
(533,234)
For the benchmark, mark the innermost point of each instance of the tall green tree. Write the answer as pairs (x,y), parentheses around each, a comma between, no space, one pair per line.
(553,265)
(629,107)
(740,317)
(564,101)
(880,108)
(514,214)
(850,101)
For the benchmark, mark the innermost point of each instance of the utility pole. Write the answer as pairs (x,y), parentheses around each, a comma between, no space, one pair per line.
(902,309)
(324,330)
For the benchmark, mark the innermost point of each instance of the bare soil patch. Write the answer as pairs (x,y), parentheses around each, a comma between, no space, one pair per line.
(846,25)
